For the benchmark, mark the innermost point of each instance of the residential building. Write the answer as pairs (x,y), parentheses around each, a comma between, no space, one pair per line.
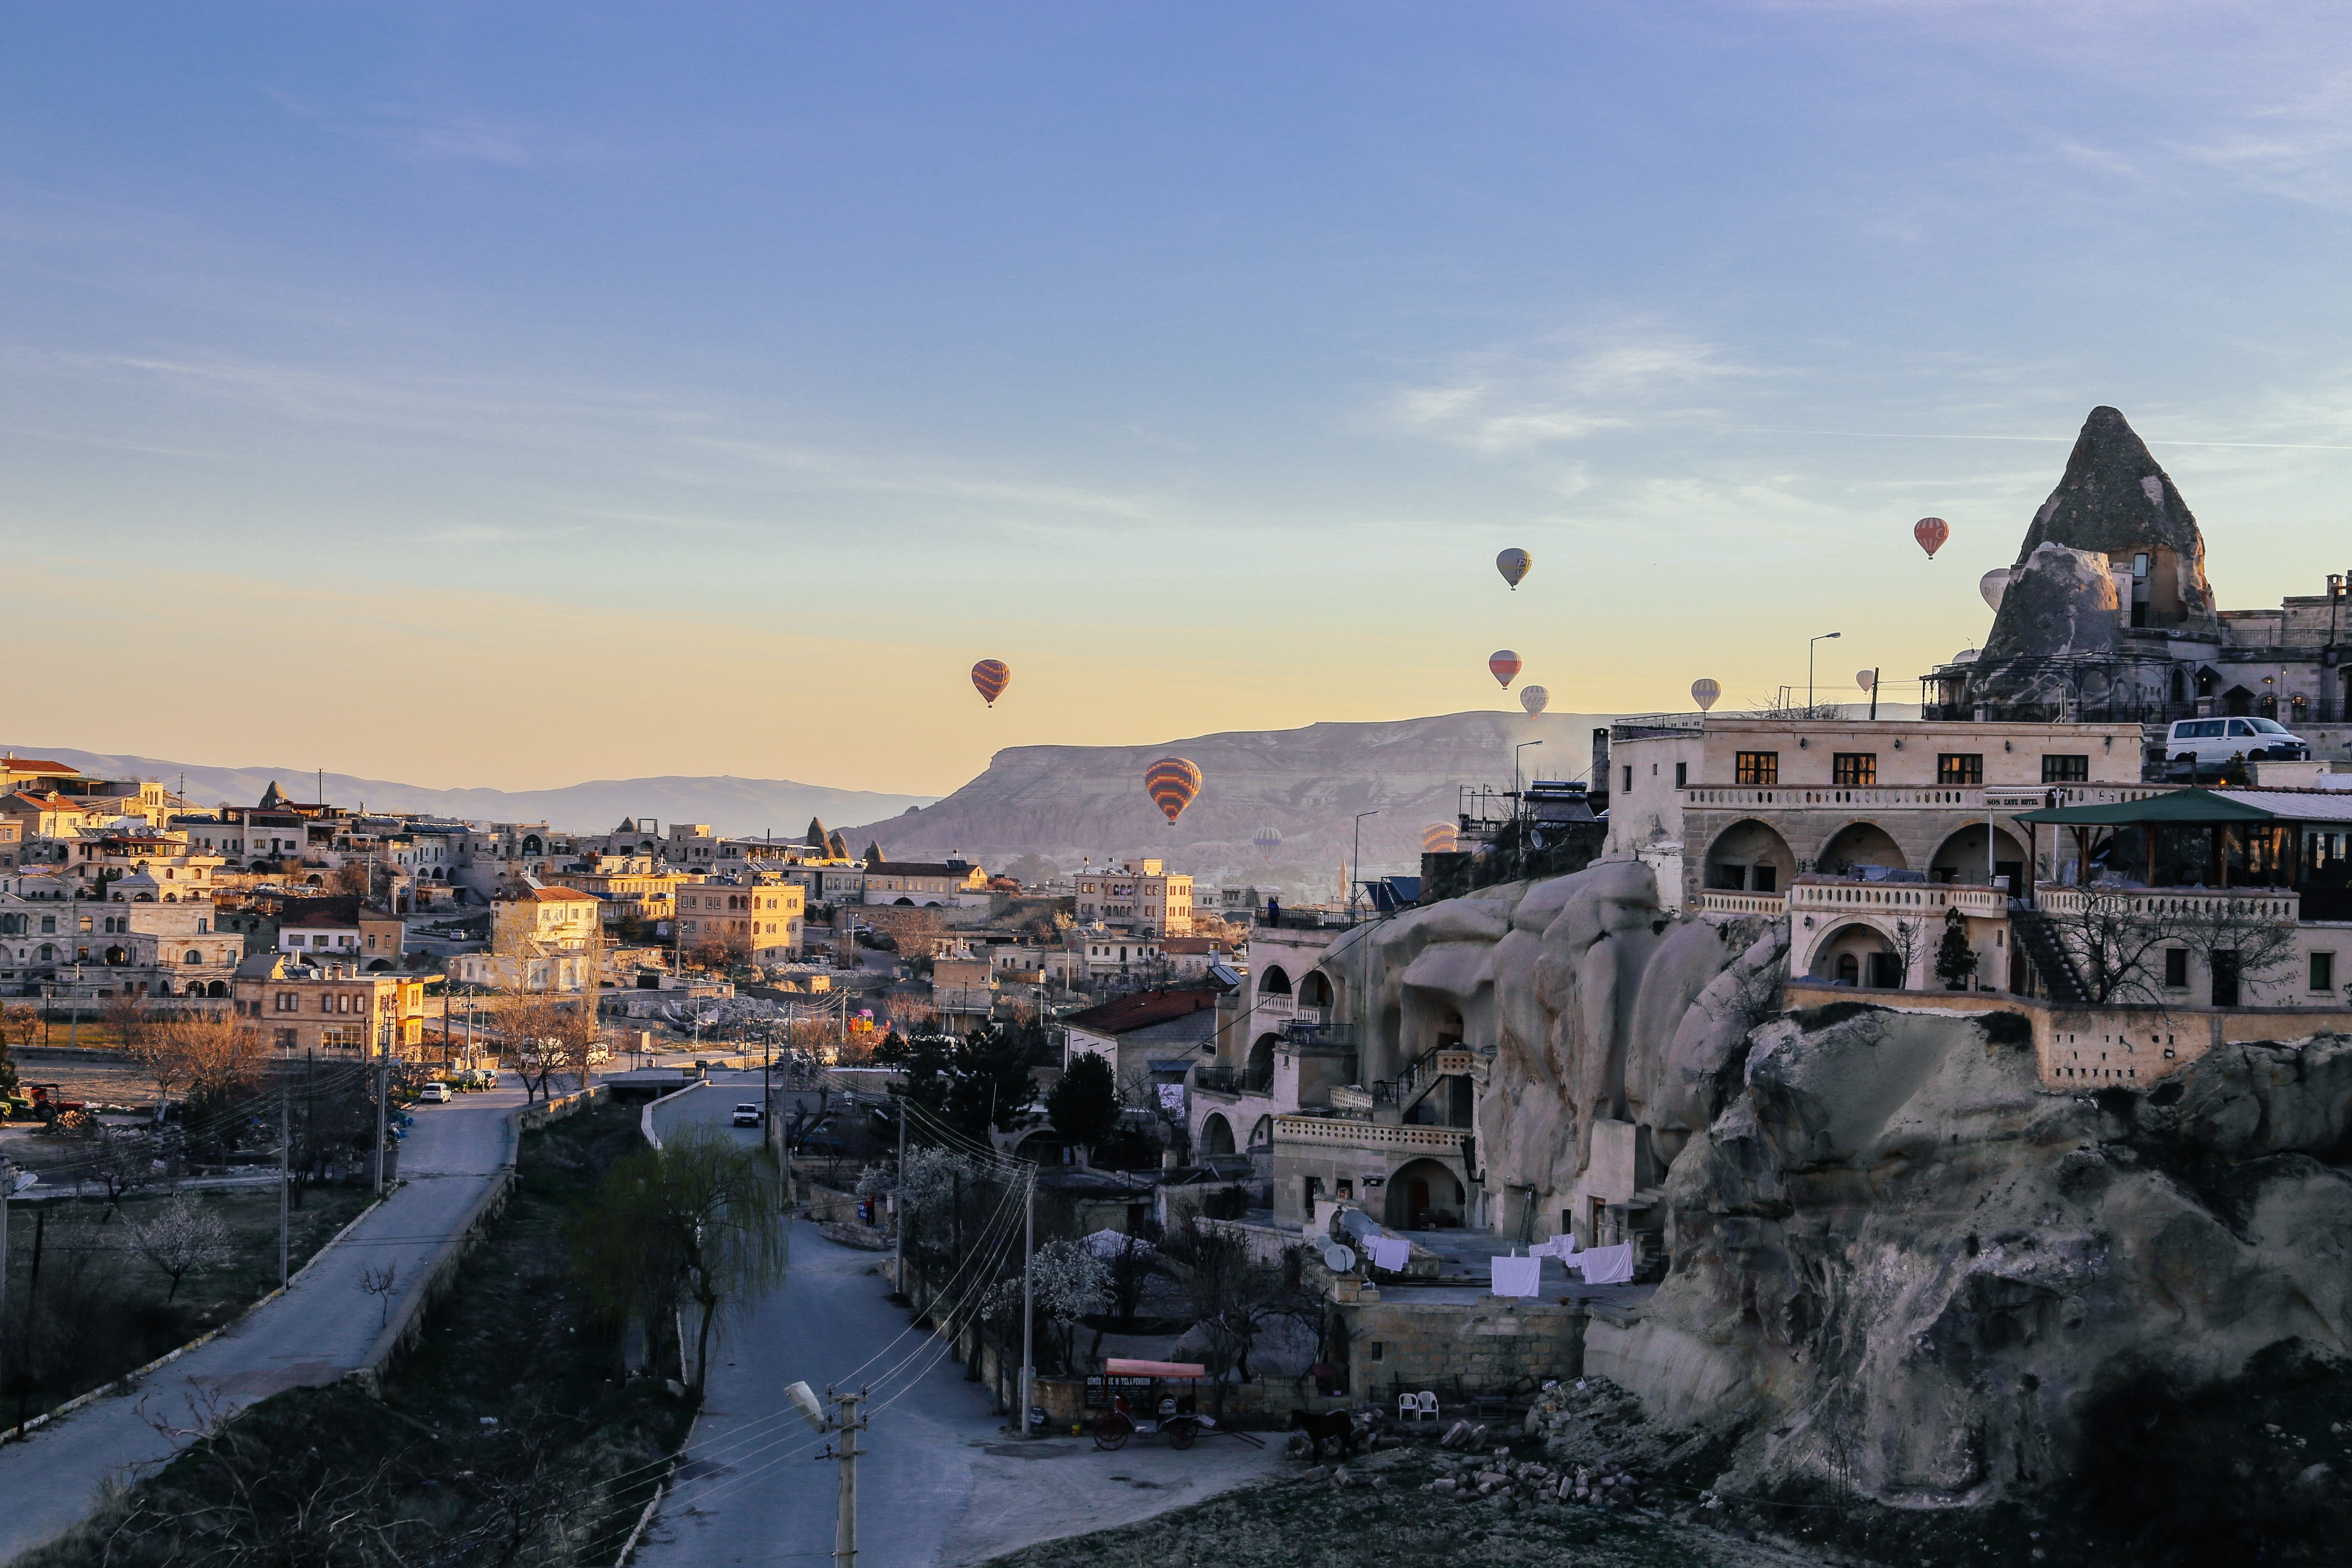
(340,931)
(546,917)
(918,884)
(12,843)
(963,988)
(760,920)
(334,1010)
(57,939)
(1139,895)
(627,887)
(1150,1036)
(1105,953)
(1189,957)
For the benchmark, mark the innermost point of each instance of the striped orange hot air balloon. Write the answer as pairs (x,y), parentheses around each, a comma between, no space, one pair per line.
(991,676)
(1439,838)
(1171,782)
(1931,533)
(1504,665)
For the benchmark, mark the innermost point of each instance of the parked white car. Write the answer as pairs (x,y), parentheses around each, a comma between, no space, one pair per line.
(2209,742)
(435,1094)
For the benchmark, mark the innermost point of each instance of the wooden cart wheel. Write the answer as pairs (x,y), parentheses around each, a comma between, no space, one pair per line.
(1182,1433)
(1112,1430)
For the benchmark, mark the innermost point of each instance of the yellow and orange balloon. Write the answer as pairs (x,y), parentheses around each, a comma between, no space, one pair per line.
(1173,783)
(990,677)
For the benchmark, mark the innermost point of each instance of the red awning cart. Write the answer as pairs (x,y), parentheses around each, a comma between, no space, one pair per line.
(1169,1395)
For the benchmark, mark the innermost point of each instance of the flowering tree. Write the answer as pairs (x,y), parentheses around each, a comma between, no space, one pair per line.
(1067,1283)
(180,1238)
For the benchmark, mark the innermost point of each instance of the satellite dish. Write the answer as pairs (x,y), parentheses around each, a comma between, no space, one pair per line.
(1338,1257)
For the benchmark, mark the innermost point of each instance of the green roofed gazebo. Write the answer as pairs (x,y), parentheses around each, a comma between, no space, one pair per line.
(2266,845)
(2178,808)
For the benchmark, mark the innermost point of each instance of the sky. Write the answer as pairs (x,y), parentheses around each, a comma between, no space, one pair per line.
(509,395)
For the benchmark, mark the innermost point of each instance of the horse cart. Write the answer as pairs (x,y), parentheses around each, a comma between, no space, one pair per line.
(1168,1391)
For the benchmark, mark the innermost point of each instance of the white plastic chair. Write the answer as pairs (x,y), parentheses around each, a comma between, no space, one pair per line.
(1428,1404)
(1408,1407)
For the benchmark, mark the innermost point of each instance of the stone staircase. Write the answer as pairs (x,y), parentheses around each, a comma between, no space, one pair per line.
(2032,933)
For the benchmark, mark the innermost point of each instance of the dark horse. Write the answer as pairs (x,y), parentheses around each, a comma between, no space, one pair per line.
(1331,1426)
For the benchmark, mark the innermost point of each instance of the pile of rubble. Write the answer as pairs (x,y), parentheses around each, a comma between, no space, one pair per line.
(1528,1481)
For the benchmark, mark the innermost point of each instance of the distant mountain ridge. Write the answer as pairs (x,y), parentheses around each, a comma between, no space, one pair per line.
(738,807)
(1068,804)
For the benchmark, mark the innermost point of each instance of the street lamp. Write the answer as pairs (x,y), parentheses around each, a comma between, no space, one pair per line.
(1516,787)
(1808,667)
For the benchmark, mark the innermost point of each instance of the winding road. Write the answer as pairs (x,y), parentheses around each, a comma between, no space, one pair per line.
(319,1329)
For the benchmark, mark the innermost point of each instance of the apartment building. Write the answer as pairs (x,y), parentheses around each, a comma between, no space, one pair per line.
(334,1010)
(921,884)
(1139,895)
(762,920)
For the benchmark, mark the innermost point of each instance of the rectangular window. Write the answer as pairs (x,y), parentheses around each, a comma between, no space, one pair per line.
(2176,969)
(2063,768)
(344,1037)
(2322,972)
(1959,768)
(1682,775)
(1756,767)
(1854,769)
(1628,778)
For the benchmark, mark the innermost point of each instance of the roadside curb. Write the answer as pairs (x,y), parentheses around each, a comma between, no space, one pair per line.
(645,1521)
(646,1116)
(124,1384)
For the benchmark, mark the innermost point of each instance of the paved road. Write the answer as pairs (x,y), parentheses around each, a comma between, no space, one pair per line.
(945,1482)
(317,1331)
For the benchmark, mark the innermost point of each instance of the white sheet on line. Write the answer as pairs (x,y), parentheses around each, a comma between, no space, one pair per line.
(1517,1275)
(1391,1252)
(1609,1265)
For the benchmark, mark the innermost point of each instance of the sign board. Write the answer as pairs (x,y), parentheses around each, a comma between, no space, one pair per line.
(1099,1390)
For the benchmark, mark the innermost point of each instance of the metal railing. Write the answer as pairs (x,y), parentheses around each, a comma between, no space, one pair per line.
(2279,904)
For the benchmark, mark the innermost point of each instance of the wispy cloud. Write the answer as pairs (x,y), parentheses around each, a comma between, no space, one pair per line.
(1565,389)
(439,136)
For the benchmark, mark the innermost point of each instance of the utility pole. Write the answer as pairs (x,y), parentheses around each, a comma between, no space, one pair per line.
(284,1173)
(383,1072)
(845,1530)
(898,1204)
(1028,1317)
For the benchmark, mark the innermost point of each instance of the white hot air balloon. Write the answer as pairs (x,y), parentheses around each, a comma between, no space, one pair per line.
(1706,693)
(1534,699)
(1866,678)
(1994,587)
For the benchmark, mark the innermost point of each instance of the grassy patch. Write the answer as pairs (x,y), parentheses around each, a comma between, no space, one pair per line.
(508,1437)
(98,1310)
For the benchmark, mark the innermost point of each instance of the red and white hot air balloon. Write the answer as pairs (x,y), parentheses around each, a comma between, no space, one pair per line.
(1534,699)
(1931,533)
(1173,782)
(1504,665)
(991,676)
(1705,692)
(1440,839)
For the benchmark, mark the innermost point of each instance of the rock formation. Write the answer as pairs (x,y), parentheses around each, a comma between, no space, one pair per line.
(2057,625)
(1066,802)
(1901,1269)
(2115,499)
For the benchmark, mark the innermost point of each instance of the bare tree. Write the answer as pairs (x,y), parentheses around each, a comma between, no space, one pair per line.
(121,1163)
(132,1019)
(2117,938)
(380,1283)
(1232,1295)
(180,1238)
(1910,942)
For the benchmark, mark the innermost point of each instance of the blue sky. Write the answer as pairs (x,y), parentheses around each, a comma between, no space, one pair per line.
(633,390)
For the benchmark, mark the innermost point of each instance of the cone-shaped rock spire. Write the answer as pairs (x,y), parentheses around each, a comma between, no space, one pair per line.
(2114,498)
(816,834)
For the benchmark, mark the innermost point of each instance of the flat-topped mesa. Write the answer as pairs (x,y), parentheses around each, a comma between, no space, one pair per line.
(2115,499)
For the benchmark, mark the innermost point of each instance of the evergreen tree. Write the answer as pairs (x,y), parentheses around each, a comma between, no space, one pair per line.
(1954,959)
(1084,1106)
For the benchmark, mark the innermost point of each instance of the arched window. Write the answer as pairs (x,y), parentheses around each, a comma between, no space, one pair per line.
(192,957)
(1273,982)
(1849,969)
(1314,990)
(48,952)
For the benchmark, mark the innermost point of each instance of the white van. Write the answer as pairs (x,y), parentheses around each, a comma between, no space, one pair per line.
(2209,742)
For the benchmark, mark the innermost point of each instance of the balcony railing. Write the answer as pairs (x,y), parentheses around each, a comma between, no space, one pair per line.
(1348,1130)
(1909,897)
(1958,798)
(1714,902)
(2279,904)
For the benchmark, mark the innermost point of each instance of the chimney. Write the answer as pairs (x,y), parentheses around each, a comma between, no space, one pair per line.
(1598,779)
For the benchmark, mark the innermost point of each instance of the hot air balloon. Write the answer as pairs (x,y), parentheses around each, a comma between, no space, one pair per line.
(1931,533)
(1505,665)
(991,676)
(1534,699)
(1268,839)
(1705,692)
(1994,587)
(1866,678)
(1171,782)
(1439,838)
(1513,563)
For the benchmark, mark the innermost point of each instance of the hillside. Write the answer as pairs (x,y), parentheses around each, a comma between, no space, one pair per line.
(1065,803)
(732,805)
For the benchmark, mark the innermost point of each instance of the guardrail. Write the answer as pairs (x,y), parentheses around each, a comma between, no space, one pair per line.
(1333,1130)
(1971,798)
(1711,901)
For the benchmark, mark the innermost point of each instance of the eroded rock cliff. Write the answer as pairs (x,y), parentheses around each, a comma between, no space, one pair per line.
(1901,1269)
